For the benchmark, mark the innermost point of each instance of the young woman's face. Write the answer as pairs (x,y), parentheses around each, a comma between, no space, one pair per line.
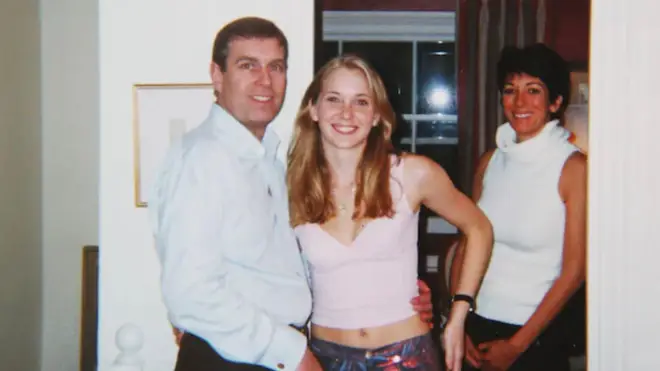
(527,105)
(345,110)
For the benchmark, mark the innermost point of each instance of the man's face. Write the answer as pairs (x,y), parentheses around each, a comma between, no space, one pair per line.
(253,86)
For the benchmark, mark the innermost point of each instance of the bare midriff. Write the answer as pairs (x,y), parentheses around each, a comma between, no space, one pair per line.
(373,337)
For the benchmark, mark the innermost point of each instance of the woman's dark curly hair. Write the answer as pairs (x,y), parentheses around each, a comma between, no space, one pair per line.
(539,61)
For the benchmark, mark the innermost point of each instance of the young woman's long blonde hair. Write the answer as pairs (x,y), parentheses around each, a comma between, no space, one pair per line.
(308,175)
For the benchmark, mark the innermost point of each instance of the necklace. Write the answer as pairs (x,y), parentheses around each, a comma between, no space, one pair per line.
(342,206)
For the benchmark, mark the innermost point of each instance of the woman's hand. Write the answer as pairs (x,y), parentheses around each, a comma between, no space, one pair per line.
(498,355)
(472,354)
(177,335)
(452,341)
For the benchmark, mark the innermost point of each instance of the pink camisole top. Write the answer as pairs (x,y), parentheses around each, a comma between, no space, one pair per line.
(371,281)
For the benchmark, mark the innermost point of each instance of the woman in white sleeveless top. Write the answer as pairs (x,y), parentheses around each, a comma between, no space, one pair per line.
(532,187)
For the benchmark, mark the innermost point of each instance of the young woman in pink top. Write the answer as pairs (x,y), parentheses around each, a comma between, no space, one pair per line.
(354,203)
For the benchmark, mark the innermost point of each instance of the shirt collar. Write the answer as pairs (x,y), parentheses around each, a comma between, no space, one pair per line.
(240,140)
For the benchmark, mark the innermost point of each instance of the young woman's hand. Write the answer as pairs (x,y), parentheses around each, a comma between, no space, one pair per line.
(453,343)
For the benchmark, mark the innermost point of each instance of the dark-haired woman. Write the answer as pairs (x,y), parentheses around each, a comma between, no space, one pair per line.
(532,187)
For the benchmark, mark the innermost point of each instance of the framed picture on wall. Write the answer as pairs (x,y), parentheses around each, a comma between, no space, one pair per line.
(163,113)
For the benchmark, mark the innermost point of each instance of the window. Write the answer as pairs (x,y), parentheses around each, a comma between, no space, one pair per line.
(414,53)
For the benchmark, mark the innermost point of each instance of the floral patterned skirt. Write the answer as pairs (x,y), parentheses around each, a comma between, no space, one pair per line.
(418,353)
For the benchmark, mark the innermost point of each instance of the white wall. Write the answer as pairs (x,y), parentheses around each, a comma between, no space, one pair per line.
(20,186)
(624,186)
(159,41)
(70,99)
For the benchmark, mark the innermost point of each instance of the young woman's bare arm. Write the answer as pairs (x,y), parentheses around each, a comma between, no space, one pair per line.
(457,261)
(427,183)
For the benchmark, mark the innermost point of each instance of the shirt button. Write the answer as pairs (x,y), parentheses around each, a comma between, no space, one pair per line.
(280,366)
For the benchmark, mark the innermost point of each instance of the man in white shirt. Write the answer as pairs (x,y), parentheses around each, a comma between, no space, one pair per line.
(233,279)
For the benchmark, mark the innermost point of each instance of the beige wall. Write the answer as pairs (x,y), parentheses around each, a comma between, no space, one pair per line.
(20,186)
(70,96)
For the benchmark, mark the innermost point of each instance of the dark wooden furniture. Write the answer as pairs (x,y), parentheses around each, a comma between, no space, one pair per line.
(89,321)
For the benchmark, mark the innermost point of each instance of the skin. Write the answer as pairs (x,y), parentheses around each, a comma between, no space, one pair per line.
(526,105)
(472,355)
(525,99)
(345,110)
(421,304)
(253,86)
(345,114)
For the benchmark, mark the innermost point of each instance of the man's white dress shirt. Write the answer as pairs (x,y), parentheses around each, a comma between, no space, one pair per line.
(232,272)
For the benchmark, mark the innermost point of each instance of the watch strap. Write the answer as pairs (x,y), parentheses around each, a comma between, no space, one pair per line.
(462,297)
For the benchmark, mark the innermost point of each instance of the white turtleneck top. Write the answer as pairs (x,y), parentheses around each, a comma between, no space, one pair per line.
(521,198)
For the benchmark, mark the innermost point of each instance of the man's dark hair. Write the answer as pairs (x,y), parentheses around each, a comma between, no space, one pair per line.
(541,62)
(247,28)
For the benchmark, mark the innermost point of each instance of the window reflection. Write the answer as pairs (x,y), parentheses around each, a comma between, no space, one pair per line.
(393,61)
(436,78)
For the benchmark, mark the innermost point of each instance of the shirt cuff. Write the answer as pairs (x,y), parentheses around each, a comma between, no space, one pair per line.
(286,349)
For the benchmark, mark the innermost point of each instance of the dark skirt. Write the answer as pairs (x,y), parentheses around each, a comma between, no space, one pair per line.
(545,354)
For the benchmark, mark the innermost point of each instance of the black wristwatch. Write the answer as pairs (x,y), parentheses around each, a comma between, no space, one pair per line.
(462,297)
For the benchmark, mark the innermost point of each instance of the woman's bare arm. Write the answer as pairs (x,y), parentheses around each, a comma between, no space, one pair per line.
(429,184)
(459,255)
